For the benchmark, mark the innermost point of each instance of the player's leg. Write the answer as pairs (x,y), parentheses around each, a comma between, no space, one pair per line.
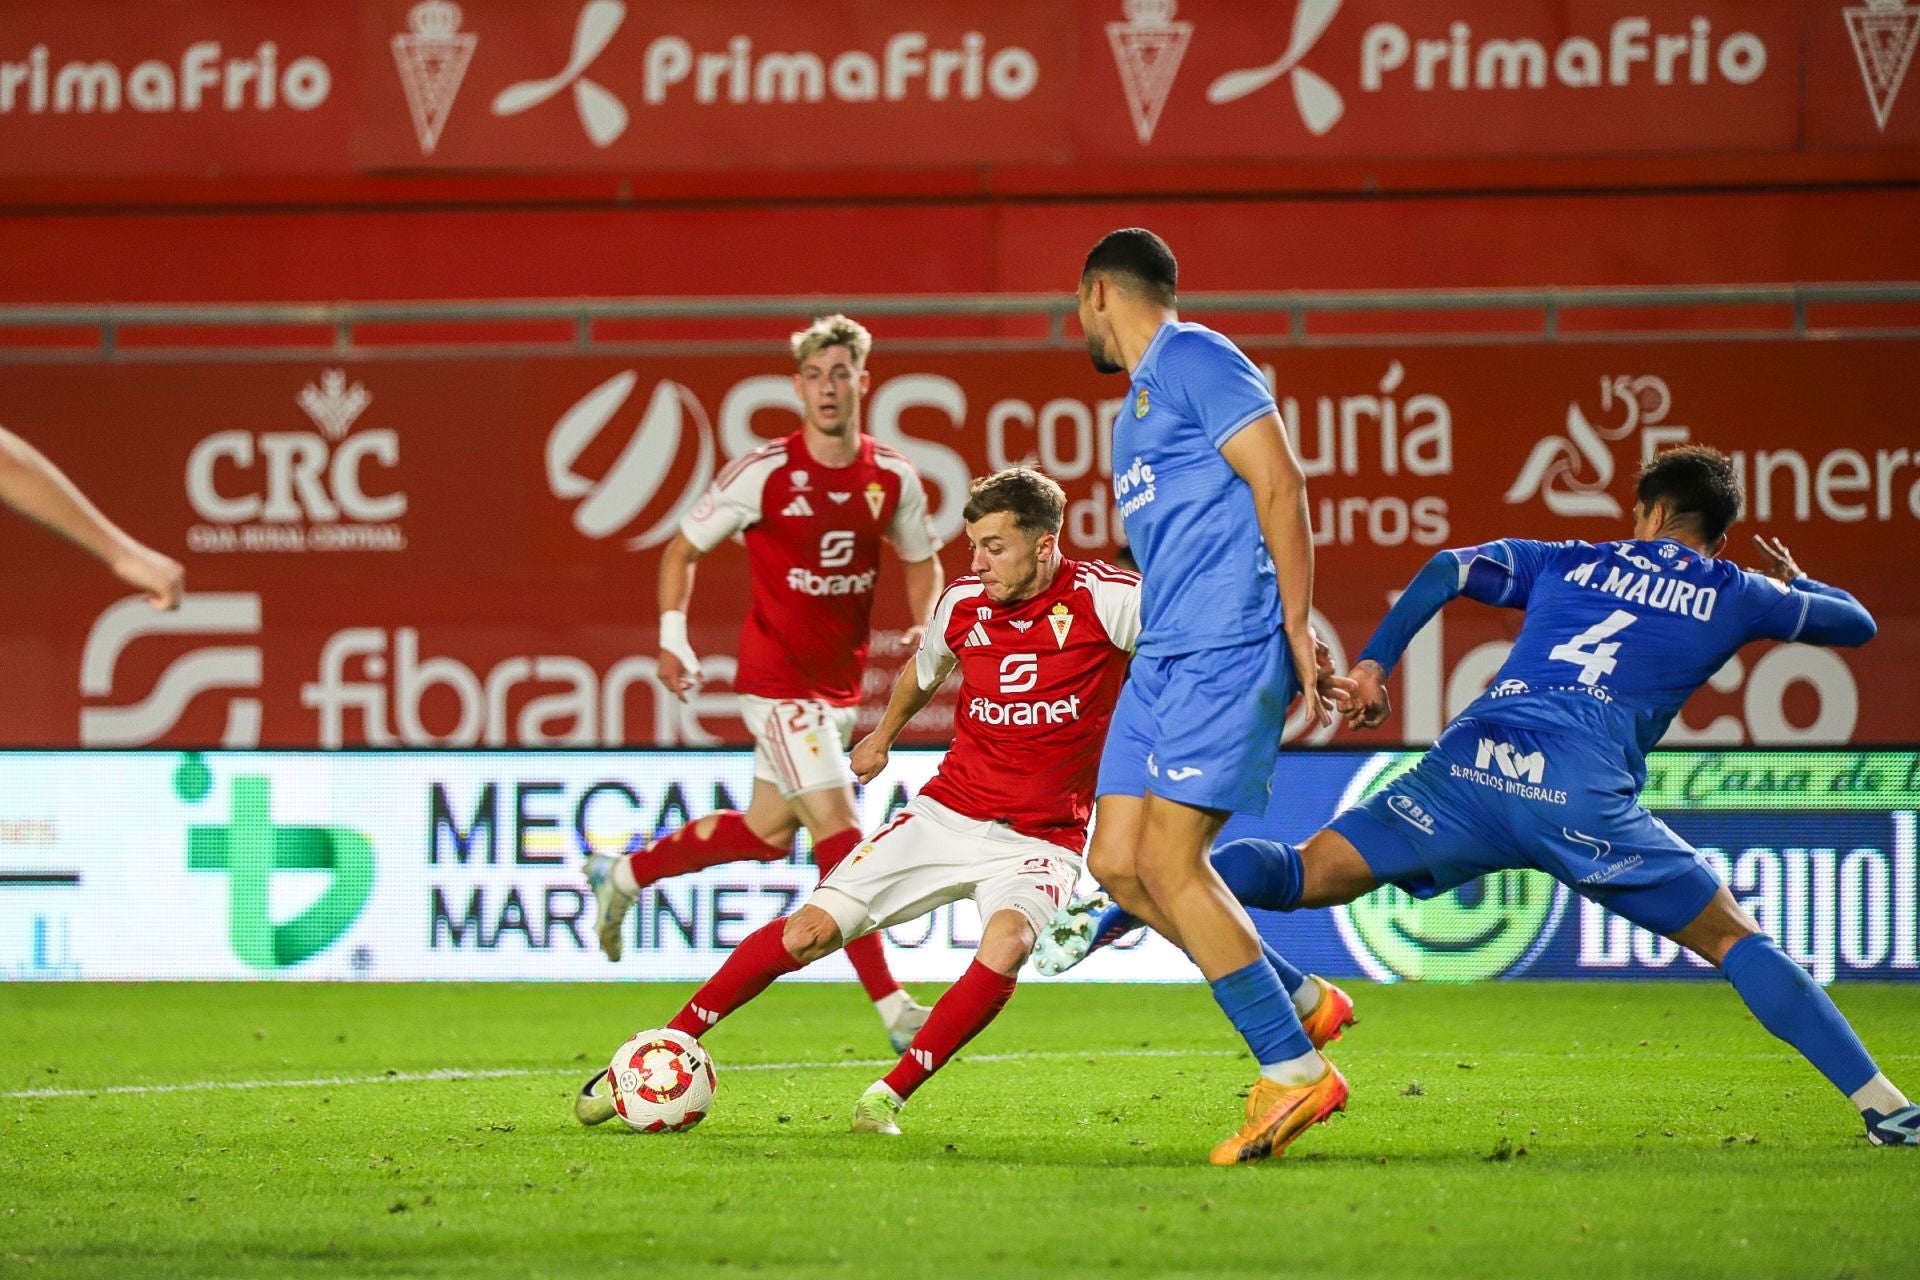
(828,813)
(1019,881)
(1795,1008)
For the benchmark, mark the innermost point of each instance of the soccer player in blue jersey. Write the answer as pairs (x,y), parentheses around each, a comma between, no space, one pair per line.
(1543,770)
(1215,509)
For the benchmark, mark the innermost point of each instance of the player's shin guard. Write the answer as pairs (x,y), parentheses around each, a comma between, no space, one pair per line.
(960,1015)
(761,957)
(1257,1005)
(730,840)
(867,954)
(1791,1004)
(1261,873)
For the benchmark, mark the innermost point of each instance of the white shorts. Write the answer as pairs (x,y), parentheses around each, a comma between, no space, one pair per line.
(929,856)
(799,745)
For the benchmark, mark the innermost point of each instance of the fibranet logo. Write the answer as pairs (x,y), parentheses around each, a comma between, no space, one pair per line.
(206,669)
(299,490)
(1495,925)
(249,847)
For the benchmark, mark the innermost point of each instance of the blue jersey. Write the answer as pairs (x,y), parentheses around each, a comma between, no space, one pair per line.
(1619,635)
(1208,582)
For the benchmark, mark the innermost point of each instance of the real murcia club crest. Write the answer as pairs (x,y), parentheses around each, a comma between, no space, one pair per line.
(1061,619)
(1884,33)
(1147,49)
(432,59)
(876,498)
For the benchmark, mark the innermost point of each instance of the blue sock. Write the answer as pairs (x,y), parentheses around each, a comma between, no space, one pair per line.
(1791,1004)
(1261,873)
(1260,1011)
(1290,977)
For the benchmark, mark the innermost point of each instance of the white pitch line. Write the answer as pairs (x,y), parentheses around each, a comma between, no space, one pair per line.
(515,1073)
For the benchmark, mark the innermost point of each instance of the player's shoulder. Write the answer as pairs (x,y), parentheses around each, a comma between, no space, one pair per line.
(1194,346)
(757,466)
(962,589)
(888,458)
(1098,578)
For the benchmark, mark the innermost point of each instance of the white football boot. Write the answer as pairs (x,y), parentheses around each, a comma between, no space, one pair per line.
(611,901)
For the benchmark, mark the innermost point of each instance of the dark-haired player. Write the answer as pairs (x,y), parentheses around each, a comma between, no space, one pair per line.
(1544,769)
(1215,510)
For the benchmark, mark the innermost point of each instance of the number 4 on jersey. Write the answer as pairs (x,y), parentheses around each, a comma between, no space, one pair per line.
(1586,651)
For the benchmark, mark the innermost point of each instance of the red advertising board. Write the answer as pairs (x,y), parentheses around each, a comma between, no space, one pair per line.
(560,85)
(418,552)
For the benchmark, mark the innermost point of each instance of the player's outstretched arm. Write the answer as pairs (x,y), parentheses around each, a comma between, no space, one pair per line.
(871,752)
(679,666)
(1833,617)
(1262,454)
(37,489)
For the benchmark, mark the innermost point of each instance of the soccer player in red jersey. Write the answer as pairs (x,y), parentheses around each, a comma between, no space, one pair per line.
(812,510)
(1042,643)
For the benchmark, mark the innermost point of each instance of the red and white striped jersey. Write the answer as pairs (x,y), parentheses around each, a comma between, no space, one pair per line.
(813,538)
(1038,681)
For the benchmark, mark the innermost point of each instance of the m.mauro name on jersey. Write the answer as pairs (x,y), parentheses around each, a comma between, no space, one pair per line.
(1656,593)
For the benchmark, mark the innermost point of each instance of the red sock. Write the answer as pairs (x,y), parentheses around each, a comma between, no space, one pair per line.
(961,1014)
(730,840)
(760,958)
(867,954)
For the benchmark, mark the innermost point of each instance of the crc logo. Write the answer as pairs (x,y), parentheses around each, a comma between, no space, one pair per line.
(1499,924)
(1572,473)
(836,548)
(1530,767)
(249,847)
(628,487)
(1019,672)
(206,669)
(299,490)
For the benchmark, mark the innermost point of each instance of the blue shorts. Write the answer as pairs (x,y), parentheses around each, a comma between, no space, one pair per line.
(1492,797)
(1201,728)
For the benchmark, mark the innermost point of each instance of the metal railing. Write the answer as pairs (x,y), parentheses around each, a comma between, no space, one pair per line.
(89,332)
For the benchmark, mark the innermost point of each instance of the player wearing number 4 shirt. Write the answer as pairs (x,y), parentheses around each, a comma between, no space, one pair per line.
(1543,770)
(812,510)
(1041,643)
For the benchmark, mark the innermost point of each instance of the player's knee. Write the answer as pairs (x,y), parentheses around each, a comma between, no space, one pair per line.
(1006,942)
(1112,866)
(809,934)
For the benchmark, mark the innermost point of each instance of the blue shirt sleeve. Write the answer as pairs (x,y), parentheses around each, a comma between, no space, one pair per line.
(1808,611)
(1214,383)
(1502,573)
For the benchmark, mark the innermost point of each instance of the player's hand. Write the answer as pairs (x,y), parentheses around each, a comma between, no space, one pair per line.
(1370,705)
(910,638)
(1779,561)
(160,578)
(870,756)
(1305,646)
(680,676)
(1337,690)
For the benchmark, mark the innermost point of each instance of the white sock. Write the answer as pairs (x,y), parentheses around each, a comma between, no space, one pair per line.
(1305,1069)
(1878,1094)
(623,877)
(881,1086)
(890,1005)
(1307,998)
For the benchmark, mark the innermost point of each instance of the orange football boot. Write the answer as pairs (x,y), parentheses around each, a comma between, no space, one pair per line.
(1279,1113)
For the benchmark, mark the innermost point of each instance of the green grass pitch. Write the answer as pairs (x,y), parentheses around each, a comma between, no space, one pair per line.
(1519,1129)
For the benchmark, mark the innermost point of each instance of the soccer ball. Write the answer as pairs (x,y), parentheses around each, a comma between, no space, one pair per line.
(662,1081)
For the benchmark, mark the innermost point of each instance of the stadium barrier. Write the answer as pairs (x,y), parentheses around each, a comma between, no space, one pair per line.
(464,865)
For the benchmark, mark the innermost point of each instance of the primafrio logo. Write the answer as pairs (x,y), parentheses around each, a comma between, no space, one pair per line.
(674,71)
(432,57)
(231,669)
(629,486)
(1573,473)
(1498,924)
(249,847)
(1884,33)
(296,491)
